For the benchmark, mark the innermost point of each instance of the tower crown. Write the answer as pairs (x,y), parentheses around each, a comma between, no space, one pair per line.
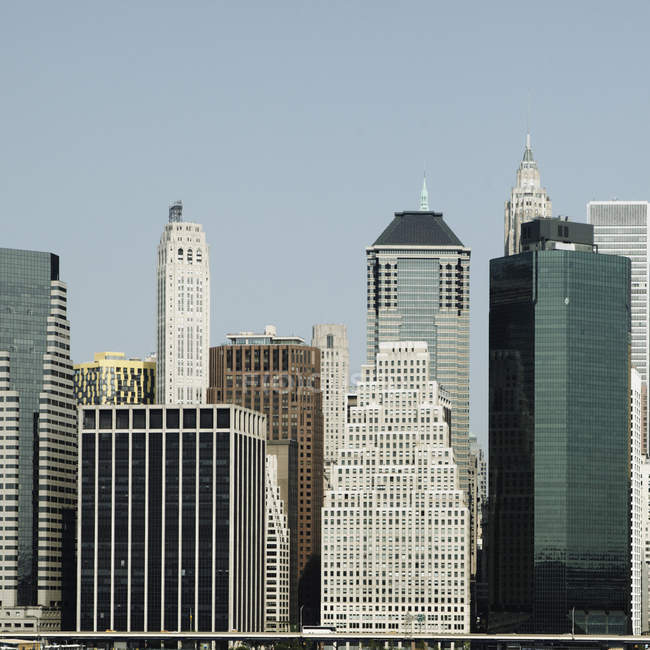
(176,212)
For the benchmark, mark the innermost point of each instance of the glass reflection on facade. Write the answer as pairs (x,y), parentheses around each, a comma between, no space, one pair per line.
(559,443)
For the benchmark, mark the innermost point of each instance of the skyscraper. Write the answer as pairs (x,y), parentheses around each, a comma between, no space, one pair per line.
(477,500)
(183,329)
(418,290)
(171,519)
(636,483)
(395,524)
(38,443)
(559,430)
(277,565)
(528,200)
(280,377)
(621,228)
(332,340)
(113,379)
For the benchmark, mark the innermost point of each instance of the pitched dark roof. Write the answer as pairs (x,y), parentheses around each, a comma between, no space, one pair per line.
(418,229)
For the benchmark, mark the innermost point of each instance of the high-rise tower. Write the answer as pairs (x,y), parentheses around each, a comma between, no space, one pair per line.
(559,423)
(395,522)
(280,376)
(38,444)
(183,312)
(418,290)
(528,199)
(621,228)
(332,340)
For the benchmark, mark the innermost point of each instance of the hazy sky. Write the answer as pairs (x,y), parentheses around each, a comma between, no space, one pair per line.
(293,131)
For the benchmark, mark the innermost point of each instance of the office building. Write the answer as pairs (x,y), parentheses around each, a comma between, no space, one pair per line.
(277,553)
(37,444)
(171,519)
(645,541)
(332,340)
(559,435)
(418,290)
(113,379)
(183,325)
(528,201)
(636,482)
(621,228)
(477,493)
(395,525)
(280,377)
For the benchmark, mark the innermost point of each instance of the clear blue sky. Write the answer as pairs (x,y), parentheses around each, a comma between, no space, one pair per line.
(293,131)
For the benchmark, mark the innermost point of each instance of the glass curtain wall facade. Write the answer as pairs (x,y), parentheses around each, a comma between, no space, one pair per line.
(171,519)
(38,440)
(559,443)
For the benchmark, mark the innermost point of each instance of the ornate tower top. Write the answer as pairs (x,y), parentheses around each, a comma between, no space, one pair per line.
(528,200)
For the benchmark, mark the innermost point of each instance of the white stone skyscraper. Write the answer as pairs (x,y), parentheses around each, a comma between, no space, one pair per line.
(418,290)
(332,340)
(636,484)
(621,228)
(277,565)
(645,541)
(183,312)
(395,531)
(528,199)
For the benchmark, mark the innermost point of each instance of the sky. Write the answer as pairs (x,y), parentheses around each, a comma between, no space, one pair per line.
(293,131)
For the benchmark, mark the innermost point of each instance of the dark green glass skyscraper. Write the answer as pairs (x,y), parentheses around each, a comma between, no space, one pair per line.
(559,498)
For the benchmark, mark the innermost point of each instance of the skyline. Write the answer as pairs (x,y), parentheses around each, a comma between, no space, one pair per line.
(200,104)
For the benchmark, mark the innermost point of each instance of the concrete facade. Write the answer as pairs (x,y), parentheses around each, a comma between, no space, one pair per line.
(183,324)
(621,228)
(395,525)
(277,568)
(332,340)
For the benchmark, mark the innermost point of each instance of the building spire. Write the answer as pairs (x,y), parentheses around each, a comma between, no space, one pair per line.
(528,152)
(424,195)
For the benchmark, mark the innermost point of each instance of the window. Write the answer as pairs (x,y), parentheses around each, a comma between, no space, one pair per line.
(155,419)
(105,419)
(207,418)
(173,418)
(223,418)
(90,419)
(189,417)
(122,419)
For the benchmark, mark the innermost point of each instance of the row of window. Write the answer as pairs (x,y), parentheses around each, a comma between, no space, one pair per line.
(137,419)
